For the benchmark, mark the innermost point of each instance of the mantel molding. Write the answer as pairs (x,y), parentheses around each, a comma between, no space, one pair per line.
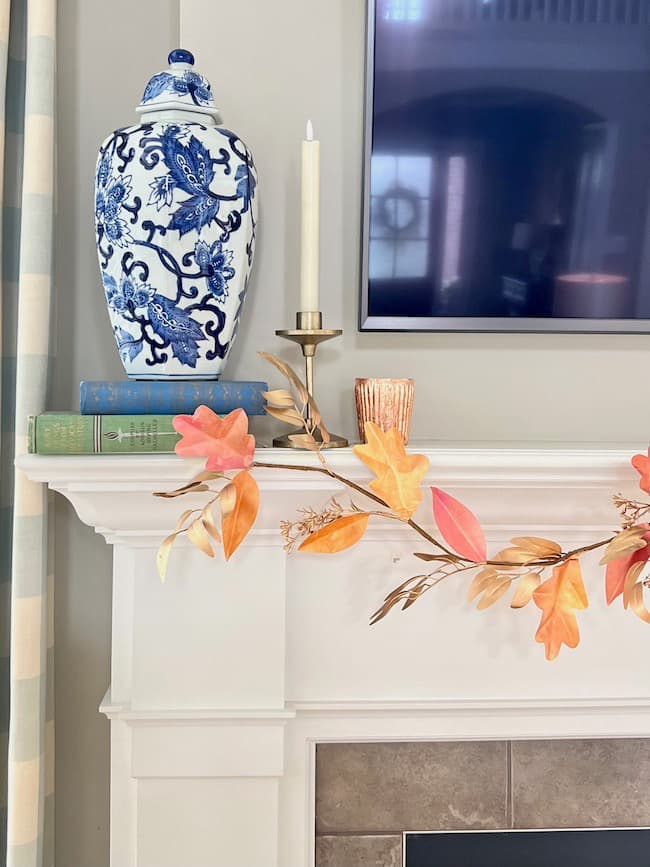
(113,493)
(552,464)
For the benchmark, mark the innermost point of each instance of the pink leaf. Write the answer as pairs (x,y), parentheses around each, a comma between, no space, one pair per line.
(641,464)
(459,527)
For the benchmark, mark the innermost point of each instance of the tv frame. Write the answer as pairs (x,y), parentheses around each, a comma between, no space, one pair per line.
(485,324)
(484,831)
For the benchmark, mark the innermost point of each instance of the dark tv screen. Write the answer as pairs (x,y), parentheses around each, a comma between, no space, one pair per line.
(507,166)
(619,847)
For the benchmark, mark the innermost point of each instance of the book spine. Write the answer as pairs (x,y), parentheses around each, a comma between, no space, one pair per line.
(170,398)
(31,434)
(70,434)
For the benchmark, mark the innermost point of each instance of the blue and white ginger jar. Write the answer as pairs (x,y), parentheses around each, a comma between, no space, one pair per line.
(175,216)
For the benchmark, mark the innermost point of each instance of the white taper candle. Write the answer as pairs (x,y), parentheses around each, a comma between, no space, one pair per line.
(310,225)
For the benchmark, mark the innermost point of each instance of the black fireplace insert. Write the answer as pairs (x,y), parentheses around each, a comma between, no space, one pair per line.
(600,847)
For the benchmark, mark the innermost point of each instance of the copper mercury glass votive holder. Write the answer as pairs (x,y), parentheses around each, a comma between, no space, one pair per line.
(386,402)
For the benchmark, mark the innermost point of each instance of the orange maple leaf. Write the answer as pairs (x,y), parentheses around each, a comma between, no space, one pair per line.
(240,503)
(336,536)
(558,597)
(225,442)
(398,475)
(641,464)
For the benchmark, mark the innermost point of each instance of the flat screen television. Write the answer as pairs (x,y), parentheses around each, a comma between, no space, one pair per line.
(507,166)
(610,847)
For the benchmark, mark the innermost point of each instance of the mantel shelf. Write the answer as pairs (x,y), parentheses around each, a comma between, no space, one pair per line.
(113,493)
(556,462)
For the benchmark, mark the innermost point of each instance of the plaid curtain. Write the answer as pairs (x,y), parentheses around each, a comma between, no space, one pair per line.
(27,43)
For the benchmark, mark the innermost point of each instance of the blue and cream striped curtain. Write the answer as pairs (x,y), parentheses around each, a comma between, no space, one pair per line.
(27,42)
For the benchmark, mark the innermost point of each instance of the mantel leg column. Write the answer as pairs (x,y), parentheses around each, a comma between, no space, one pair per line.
(198,711)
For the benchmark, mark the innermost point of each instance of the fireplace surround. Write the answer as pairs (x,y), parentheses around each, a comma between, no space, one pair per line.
(369,794)
(229,681)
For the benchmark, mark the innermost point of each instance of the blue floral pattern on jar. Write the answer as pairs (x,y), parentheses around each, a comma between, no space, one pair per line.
(176,222)
(187,84)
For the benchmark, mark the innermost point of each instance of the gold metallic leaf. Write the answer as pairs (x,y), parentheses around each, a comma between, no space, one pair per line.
(538,546)
(314,412)
(515,557)
(199,538)
(317,418)
(162,557)
(279,397)
(209,524)
(193,485)
(493,593)
(288,416)
(305,397)
(228,499)
(207,476)
(631,577)
(626,542)
(480,582)
(525,589)
(637,604)
(325,434)
(195,488)
(287,371)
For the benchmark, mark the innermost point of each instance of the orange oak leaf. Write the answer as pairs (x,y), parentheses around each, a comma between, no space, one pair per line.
(558,597)
(337,536)
(398,475)
(459,527)
(225,442)
(240,502)
(618,569)
(641,464)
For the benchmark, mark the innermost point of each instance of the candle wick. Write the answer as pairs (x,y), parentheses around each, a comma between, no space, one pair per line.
(310,131)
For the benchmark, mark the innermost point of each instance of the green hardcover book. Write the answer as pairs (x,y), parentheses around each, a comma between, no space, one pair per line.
(73,434)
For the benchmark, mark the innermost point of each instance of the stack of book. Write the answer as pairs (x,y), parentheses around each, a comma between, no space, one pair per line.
(136,416)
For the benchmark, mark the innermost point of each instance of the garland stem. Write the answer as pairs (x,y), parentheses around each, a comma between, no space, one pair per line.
(326,471)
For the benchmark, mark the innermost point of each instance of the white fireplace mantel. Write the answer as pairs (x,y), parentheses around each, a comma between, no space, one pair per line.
(225,677)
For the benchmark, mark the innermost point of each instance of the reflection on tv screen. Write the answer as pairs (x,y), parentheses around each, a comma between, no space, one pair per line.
(510,161)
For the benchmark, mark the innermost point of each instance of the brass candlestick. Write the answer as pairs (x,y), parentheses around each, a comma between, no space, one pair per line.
(309,332)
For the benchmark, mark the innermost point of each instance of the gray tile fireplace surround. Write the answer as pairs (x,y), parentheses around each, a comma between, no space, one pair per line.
(367,794)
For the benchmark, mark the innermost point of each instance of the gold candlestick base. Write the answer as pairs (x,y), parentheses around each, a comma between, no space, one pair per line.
(309,333)
(336,441)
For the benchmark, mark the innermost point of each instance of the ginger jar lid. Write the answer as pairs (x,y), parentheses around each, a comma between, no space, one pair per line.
(179,87)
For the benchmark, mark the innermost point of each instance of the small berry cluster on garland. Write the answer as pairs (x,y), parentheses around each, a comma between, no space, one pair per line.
(395,493)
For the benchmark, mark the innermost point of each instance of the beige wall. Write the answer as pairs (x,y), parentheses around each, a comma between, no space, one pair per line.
(106,53)
(272,65)
(295,59)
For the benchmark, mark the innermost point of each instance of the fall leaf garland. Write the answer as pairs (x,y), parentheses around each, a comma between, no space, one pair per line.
(395,493)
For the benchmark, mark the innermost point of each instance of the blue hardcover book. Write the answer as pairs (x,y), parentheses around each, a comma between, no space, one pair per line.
(133,397)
